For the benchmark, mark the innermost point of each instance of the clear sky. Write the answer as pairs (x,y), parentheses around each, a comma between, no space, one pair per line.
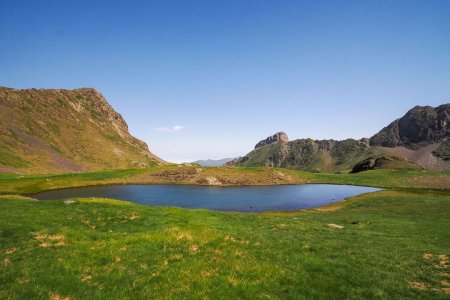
(209,79)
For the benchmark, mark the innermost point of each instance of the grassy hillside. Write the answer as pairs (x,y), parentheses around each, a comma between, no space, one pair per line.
(394,245)
(65,130)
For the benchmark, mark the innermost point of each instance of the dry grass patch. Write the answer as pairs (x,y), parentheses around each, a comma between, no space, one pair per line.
(428,256)
(444,283)
(418,285)
(193,248)
(10,251)
(86,278)
(47,240)
(178,234)
(443,261)
(133,216)
(232,280)
(56,296)
(209,273)
(6,262)
(229,238)
(335,226)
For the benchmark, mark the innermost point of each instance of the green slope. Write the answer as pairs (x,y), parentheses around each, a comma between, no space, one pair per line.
(65,130)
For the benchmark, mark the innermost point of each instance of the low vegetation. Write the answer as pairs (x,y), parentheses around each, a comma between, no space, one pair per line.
(389,244)
(443,151)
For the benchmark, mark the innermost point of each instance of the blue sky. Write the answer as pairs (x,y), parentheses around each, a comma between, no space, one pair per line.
(209,79)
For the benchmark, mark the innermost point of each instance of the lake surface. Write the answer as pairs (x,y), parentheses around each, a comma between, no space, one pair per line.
(243,199)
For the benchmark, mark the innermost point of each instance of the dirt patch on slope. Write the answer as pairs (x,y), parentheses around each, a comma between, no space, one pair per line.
(4,169)
(422,157)
(36,145)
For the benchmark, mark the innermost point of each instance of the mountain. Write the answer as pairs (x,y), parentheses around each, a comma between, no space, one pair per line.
(57,130)
(419,127)
(422,136)
(309,154)
(420,139)
(212,162)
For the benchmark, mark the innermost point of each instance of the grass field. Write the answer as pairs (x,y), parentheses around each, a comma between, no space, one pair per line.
(395,244)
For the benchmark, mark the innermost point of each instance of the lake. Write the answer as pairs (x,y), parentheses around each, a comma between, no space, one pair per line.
(243,199)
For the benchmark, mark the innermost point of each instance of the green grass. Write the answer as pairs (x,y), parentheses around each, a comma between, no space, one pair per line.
(22,184)
(386,179)
(99,248)
(11,160)
(107,249)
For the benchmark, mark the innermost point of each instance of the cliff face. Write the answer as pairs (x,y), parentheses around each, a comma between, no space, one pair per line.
(419,127)
(65,130)
(277,137)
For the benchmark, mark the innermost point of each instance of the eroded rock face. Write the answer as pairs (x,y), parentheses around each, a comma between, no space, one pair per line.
(277,137)
(420,126)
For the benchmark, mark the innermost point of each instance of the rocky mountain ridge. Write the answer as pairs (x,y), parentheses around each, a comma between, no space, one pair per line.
(309,155)
(57,130)
(419,139)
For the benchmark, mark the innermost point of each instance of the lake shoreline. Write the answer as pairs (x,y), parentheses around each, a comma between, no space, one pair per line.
(237,199)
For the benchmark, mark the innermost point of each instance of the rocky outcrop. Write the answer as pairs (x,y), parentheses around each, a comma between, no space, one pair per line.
(383,162)
(277,137)
(419,127)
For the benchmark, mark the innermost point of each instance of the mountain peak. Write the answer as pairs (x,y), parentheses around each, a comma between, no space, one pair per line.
(420,126)
(277,137)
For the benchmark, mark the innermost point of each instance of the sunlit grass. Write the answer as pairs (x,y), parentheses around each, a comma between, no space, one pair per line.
(394,243)
(98,248)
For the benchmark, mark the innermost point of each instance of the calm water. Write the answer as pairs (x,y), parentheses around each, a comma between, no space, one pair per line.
(245,199)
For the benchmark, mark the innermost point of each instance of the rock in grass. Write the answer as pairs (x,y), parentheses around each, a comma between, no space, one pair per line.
(69,202)
(335,226)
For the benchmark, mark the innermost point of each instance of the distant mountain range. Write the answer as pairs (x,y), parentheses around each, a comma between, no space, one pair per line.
(57,130)
(419,139)
(212,162)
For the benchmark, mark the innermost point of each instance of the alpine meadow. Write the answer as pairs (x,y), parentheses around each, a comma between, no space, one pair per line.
(144,150)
